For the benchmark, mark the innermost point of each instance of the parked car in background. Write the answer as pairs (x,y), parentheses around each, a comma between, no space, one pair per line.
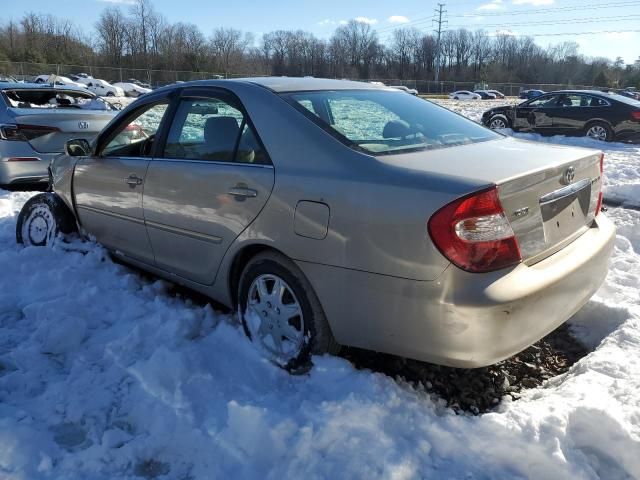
(7,78)
(464,95)
(101,87)
(595,114)
(131,89)
(485,94)
(76,76)
(412,91)
(441,252)
(35,122)
(138,82)
(528,94)
(496,93)
(58,80)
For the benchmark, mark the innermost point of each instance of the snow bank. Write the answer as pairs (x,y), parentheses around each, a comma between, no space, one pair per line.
(105,374)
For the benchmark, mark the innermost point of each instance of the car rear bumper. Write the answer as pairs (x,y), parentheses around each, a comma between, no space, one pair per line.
(464,319)
(23,171)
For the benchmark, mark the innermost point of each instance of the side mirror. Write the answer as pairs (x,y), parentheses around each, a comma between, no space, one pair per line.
(78,147)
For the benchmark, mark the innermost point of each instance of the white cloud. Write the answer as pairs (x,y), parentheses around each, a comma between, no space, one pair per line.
(399,19)
(367,20)
(535,3)
(493,5)
(329,22)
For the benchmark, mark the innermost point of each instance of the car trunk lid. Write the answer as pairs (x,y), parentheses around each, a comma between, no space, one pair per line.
(549,192)
(47,131)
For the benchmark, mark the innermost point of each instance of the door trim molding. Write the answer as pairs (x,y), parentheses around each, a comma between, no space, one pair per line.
(187,233)
(160,226)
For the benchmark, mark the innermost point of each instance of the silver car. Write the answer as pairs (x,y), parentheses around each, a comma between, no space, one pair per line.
(333,213)
(35,122)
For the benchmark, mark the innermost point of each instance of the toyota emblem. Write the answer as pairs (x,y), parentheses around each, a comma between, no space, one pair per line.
(569,175)
(83,125)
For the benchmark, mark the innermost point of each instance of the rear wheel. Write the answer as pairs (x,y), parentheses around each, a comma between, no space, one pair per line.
(42,218)
(111,94)
(498,121)
(281,313)
(599,131)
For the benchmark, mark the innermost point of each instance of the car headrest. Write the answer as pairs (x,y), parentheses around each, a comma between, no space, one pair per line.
(221,133)
(396,129)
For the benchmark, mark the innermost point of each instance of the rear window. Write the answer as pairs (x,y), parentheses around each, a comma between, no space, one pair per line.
(387,122)
(627,100)
(54,98)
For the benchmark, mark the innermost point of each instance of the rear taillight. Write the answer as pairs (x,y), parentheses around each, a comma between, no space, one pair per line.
(599,204)
(635,115)
(474,233)
(24,133)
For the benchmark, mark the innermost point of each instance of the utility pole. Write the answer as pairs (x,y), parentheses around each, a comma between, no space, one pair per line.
(439,12)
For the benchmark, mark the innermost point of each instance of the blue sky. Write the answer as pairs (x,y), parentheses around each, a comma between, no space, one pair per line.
(540,17)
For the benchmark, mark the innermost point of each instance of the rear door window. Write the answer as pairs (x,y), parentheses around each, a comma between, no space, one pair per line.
(212,129)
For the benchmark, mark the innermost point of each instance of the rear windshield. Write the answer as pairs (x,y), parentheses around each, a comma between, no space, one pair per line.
(54,98)
(623,99)
(386,122)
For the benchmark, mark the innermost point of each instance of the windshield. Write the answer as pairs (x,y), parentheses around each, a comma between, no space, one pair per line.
(54,98)
(385,122)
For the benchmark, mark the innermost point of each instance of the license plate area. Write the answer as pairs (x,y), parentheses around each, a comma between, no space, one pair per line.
(565,211)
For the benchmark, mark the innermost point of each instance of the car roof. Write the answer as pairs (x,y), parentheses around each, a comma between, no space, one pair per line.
(287,84)
(44,86)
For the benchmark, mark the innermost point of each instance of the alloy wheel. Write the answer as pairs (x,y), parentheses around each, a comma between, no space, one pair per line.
(597,132)
(497,123)
(274,317)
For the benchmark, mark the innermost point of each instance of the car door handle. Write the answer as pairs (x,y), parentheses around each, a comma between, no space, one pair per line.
(133,180)
(240,191)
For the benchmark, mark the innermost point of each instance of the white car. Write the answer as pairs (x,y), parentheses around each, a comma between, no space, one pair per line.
(57,80)
(464,95)
(102,88)
(411,91)
(131,89)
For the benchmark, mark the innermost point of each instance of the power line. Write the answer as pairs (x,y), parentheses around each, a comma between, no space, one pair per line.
(555,22)
(539,11)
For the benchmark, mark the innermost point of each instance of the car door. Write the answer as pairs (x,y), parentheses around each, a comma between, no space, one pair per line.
(572,113)
(205,185)
(584,109)
(536,114)
(108,185)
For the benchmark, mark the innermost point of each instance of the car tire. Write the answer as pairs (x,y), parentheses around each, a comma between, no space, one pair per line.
(42,219)
(456,98)
(287,341)
(498,122)
(111,94)
(599,131)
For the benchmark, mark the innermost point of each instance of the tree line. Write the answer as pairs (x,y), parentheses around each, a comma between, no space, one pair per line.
(139,36)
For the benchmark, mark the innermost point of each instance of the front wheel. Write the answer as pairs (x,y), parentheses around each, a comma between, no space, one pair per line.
(599,131)
(498,121)
(111,94)
(42,218)
(281,313)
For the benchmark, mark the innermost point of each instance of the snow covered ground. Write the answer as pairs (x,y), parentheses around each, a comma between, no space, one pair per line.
(106,374)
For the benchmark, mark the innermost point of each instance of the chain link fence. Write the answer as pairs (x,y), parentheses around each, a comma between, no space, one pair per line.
(28,71)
